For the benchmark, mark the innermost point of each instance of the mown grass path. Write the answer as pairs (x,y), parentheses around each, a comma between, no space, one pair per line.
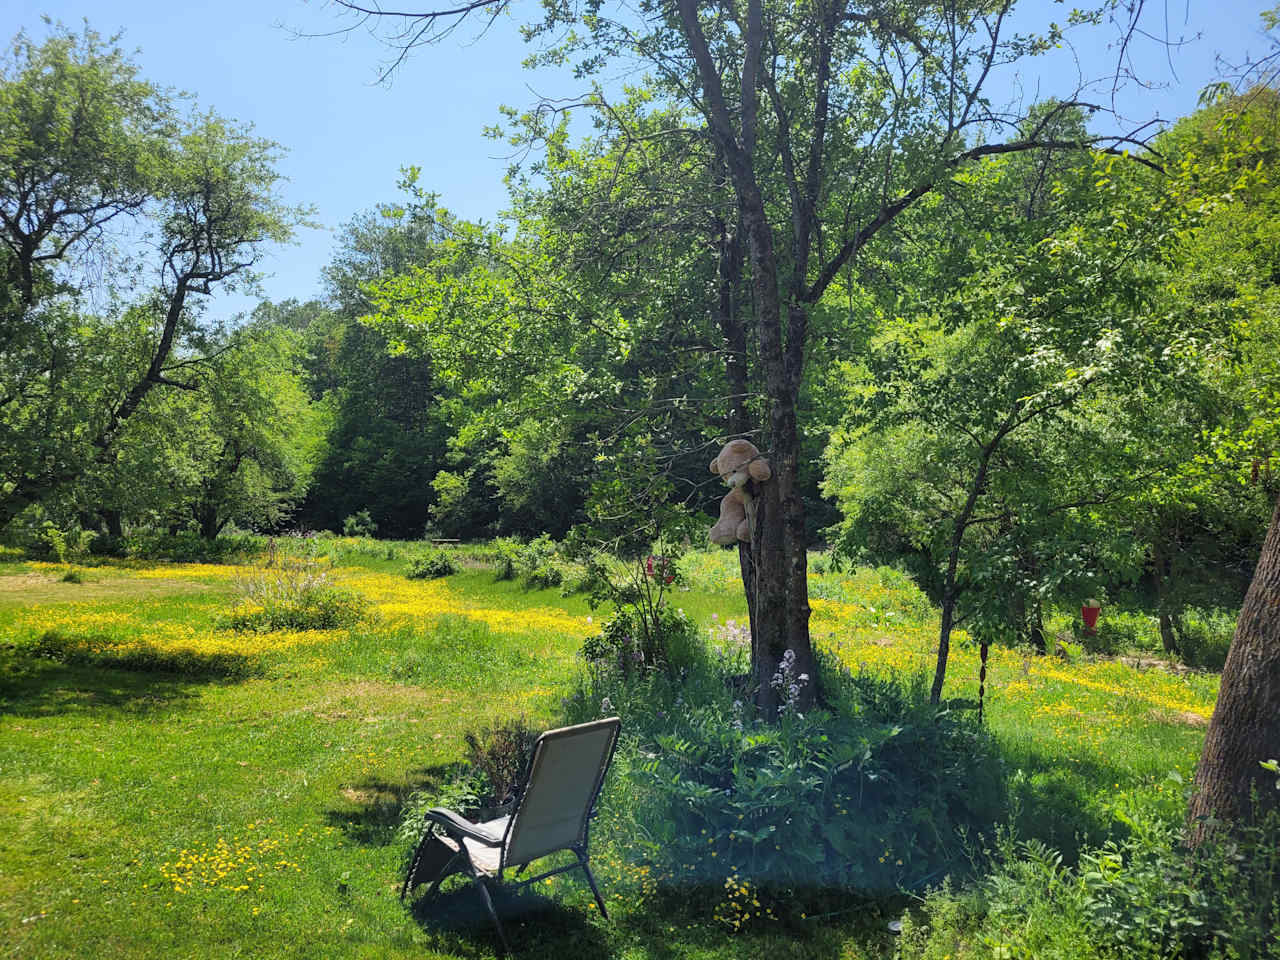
(240,795)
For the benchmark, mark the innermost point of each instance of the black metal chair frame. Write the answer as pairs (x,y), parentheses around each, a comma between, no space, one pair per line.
(441,821)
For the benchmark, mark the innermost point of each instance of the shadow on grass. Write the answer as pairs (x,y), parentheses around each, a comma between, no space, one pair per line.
(678,923)
(380,805)
(32,687)
(94,650)
(536,925)
(1061,804)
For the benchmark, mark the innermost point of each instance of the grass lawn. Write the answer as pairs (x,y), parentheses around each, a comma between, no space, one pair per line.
(169,788)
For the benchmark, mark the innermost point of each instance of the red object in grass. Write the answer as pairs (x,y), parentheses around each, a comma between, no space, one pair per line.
(1090,615)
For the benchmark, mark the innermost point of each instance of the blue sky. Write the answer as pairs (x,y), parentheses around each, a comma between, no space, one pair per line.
(348,137)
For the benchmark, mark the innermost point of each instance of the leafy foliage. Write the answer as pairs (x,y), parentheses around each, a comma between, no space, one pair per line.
(867,791)
(429,566)
(1145,895)
(294,593)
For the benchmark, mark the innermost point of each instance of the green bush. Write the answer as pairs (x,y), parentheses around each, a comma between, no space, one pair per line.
(190,547)
(1146,895)
(1119,631)
(867,792)
(50,542)
(633,640)
(1206,636)
(543,577)
(359,524)
(459,789)
(431,565)
(539,564)
(1028,906)
(505,556)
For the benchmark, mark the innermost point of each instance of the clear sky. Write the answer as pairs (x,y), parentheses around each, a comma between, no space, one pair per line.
(348,137)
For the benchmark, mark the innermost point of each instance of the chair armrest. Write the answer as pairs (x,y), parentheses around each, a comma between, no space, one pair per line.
(454,823)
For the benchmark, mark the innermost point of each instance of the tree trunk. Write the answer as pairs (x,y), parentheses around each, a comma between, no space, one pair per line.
(113,523)
(1035,628)
(779,545)
(1245,729)
(1161,567)
(729,277)
(210,526)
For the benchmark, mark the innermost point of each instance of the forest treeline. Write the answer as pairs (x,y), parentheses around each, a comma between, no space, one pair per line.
(1052,377)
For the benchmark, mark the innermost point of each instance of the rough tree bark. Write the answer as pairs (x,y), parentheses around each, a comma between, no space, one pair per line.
(781,615)
(1245,729)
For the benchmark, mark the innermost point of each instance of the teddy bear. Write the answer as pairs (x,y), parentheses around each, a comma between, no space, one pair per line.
(733,524)
(738,462)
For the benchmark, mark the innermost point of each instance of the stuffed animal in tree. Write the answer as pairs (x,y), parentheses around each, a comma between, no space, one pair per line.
(737,463)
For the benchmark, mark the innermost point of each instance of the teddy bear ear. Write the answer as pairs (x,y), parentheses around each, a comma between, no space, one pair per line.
(715,465)
(760,470)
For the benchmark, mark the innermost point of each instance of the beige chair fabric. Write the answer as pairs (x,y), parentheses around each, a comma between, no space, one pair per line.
(487,859)
(564,778)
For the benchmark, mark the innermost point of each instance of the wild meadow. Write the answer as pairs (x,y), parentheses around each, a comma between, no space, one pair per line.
(170,785)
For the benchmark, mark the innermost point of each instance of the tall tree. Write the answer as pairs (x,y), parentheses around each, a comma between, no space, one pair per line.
(90,156)
(1228,167)
(241,447)
(831,118)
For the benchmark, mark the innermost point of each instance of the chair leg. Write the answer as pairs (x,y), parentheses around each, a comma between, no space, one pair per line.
(493,914)
(594,889)
(435,884)
(416,862)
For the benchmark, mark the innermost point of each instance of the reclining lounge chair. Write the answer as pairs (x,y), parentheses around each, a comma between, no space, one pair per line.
(550,812)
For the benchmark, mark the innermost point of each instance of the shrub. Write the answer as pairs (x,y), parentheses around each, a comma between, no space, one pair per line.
(1029,905)
(1140,893)
(359,524)
(1118,631)
(460,790)
(500,753)
(53,542)
(431,565)
(867,792)
(1206,636)
(543,577)
(72,576)
(631,640)
(293,593)
(505,554)
(1146,895)
(190,547)
(538,563)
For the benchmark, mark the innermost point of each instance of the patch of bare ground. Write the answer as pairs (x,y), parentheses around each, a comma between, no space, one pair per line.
(1183,718)
(1153,663)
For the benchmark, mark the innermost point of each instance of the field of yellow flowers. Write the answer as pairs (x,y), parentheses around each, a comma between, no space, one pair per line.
(170,787)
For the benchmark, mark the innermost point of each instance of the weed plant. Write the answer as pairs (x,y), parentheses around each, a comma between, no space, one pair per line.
(865,793)
(293,593)
(1144,896)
